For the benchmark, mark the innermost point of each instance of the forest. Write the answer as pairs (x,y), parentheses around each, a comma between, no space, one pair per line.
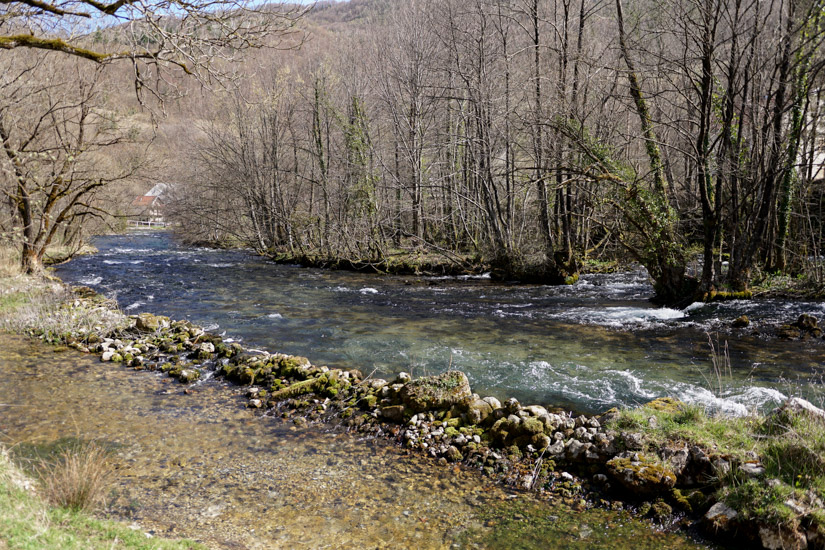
(533,138)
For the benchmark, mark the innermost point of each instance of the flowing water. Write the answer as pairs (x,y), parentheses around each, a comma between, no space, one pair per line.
(588,347)
(200,465)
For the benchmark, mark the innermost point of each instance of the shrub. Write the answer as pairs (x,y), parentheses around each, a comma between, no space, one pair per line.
(79,478)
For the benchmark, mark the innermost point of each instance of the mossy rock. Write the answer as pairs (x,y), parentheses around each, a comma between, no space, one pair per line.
(146,322)
(436,392)
(369,402)
(531,426)
(187,376)
(641,475)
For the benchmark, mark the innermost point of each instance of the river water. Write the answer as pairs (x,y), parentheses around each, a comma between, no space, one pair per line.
(587,347)
(200,465)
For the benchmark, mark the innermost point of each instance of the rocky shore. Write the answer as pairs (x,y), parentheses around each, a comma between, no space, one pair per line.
(619,459)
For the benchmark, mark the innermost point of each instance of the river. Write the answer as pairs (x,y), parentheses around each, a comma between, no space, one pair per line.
(588,347)
(201,465)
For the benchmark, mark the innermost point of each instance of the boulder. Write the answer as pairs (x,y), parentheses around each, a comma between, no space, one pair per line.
(720,518)
(806,322)
(741,322)
(641,475)
(493,402)
(146,322)
(392,412)
(436,392)
(782,538)
(478,411)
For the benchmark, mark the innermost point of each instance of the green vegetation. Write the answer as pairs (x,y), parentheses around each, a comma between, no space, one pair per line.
(46,308)
(789,445)
(27,522)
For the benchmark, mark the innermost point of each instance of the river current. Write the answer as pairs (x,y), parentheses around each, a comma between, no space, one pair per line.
(591,346)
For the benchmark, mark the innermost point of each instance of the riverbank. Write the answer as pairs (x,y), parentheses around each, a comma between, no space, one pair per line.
(679,465)
(28,521)
(765,285)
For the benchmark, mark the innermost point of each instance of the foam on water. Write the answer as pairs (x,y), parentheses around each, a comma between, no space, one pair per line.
(620,317)
(134,305)
(368,290)
(275,316)
(90,280)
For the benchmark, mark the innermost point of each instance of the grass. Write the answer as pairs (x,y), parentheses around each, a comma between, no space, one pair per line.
(43,307)
(9,261)
(27,521)
(791,448)
(79,478)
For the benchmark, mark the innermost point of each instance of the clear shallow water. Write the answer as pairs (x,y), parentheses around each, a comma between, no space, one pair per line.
(591,346)
(204,467)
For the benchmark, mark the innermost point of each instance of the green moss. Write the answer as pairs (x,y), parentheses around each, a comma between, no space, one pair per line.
(724,296)
(532,426)
(665,404)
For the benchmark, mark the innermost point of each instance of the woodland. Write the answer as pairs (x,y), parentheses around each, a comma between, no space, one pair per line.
(536,138)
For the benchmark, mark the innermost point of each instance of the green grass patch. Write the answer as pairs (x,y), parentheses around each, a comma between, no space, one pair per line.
(790,446)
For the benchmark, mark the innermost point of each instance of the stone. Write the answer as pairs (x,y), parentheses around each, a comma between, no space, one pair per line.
(752,469)
(394,413)
(575,449)
(531,426)
(189,375)
(540,441)
(478,411)
(641,475)
(536,410)
(806,322)
(741,322)
(436,392)
(556,448)
(677,457)
(453,454)
(493,402)
(633,441)
(512,405)
(782,538)
(146,322)
(720,518)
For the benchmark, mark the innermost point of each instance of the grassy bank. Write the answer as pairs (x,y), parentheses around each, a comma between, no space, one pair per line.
(27,521)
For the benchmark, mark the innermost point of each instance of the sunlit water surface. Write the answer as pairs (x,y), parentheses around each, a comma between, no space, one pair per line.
(200,465)
(590,346)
